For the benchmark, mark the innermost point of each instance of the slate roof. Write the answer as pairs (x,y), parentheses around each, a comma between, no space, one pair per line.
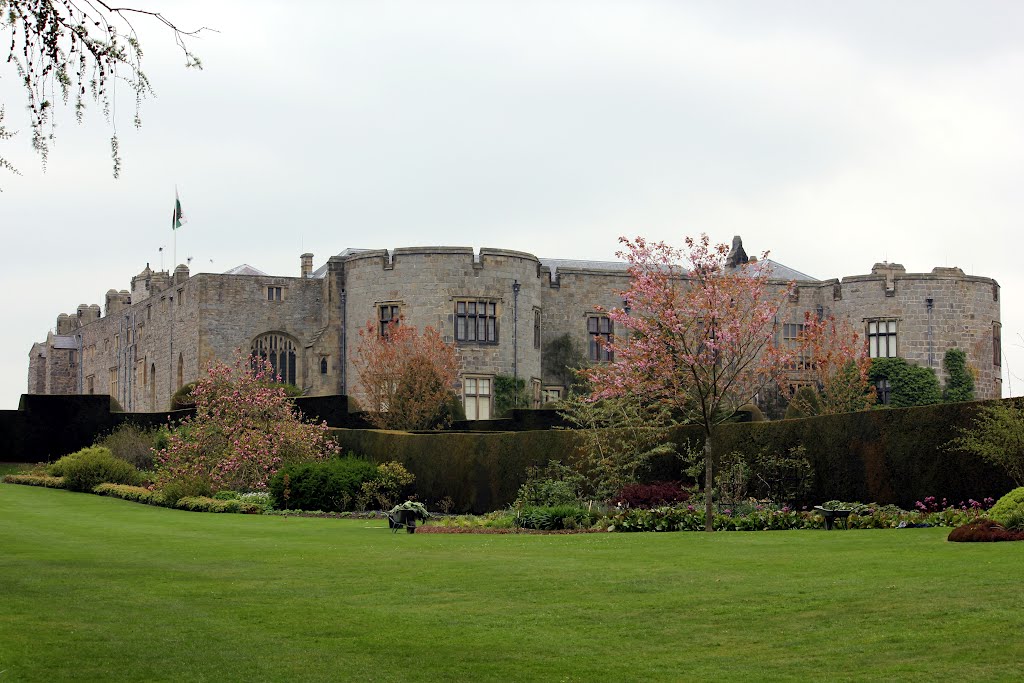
(64,341)
(244,269)
(777,270)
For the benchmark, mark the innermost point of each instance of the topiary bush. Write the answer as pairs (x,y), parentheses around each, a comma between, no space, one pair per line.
(331,485)
(85,469)
(182,398)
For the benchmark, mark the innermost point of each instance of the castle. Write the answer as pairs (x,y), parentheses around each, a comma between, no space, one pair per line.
(501,308)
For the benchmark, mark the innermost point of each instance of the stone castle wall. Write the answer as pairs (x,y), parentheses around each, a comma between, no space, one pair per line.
(165,331)
(427,282)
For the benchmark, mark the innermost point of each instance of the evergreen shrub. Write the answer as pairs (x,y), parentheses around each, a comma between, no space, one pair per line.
(137,494)
(132,443)
(84,469)
(1009,508)
(555,517)
(329,485)
(43,480)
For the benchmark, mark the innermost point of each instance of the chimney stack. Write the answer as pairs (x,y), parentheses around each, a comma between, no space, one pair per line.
(307,265)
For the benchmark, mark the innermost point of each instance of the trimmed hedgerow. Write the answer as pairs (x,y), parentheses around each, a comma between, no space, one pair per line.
(479,471)
(204,504)
(35,480)
(894,456)
(86,468)
(137,494)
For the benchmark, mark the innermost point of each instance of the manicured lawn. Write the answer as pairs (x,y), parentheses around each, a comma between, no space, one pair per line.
(102,589)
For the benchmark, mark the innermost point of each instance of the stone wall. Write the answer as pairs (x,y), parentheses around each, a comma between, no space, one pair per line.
(935,312)
(169,327)
(426,283)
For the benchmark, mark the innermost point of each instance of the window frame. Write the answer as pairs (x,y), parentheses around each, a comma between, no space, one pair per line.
(997,344)
(875,337)
(471,401)
(274,347)
(394,311)
(791,334)
(596,352)
(468,318)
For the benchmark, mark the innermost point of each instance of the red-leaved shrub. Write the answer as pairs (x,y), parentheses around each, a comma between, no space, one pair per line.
(983,530)
(651,495)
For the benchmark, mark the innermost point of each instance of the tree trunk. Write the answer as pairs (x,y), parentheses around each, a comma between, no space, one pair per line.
(709,506)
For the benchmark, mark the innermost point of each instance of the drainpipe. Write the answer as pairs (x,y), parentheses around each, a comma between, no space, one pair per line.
(930,303)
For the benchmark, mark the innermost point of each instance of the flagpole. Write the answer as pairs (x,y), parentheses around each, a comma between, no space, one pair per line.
(174,263)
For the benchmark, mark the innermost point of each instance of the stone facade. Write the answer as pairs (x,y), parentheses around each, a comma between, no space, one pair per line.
(159,335)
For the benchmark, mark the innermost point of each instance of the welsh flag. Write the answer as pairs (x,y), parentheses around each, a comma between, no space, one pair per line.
(177,217)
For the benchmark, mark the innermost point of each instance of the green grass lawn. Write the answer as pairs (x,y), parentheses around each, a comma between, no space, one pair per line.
(101,589)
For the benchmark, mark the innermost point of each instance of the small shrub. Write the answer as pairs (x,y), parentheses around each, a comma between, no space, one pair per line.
(185,487)
(1012,504)
(554,484)
(207,504)
(389,484)
(330,485)
(137,494)
(35,480)
(983,530)
(132,443)
(651,495)
(86,468)
(555,517)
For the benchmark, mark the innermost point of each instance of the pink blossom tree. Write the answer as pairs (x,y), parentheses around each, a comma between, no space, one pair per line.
(699,336)
(243,431)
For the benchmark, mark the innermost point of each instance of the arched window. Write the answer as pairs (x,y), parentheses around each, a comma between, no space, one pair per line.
(280,351)
(181,371)
(152,386)
(323,366)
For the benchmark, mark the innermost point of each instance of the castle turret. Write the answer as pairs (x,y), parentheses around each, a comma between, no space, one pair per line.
(180,274)
(115,300)
(142,285)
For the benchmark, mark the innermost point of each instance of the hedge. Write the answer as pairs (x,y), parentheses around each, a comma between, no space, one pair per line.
(888,456)
(895,456)
(479,471)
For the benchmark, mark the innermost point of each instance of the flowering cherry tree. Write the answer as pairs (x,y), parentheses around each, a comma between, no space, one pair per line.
(244,430)
(833,358)
(405,377)
(699,336)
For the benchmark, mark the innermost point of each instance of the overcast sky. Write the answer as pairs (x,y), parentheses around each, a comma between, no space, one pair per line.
(835,135)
